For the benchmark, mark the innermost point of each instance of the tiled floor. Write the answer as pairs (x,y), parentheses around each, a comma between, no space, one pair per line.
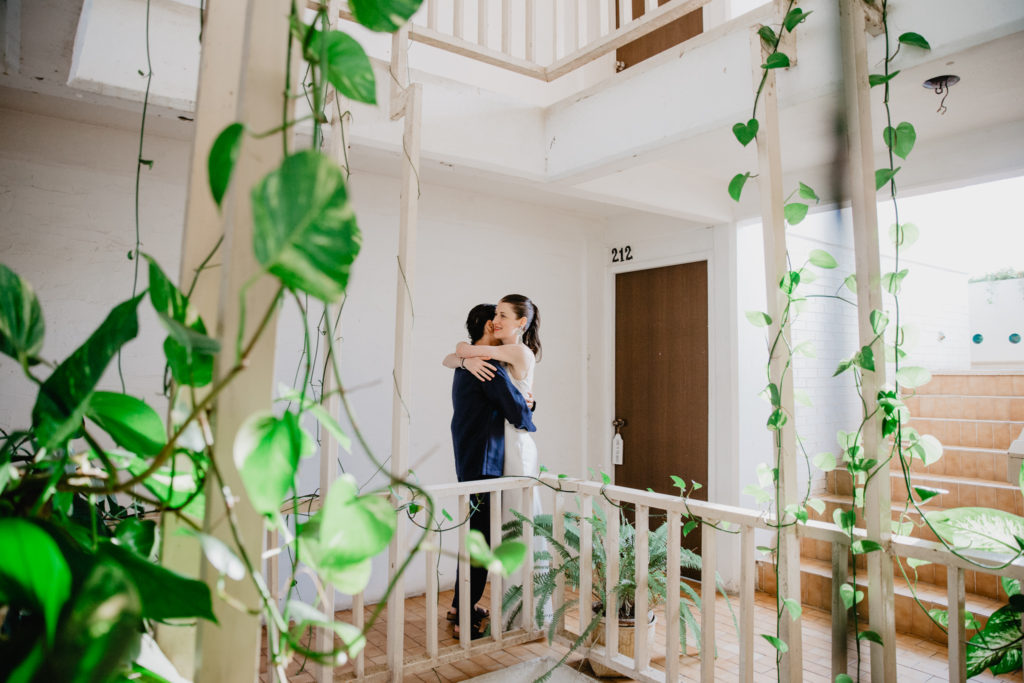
(918,661)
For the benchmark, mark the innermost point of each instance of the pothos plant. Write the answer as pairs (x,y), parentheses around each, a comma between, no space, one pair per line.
(87,485)
(998,644)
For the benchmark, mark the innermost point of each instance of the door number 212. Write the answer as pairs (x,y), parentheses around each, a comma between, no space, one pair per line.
(620,254)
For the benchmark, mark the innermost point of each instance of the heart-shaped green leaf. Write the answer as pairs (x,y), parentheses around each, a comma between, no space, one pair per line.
(138,535)
(914,39)
(776,643)
(267,452)
(304,229)
(736,185)
(63,397)
(768,36)
(746,132)
(383,15)
(33,571)
(881,79)
(354,528)
(794,18)
(164,594)
(911,377)
(808,193)
(348,68)
(777,60)
(758,319)
(128,420)
(221,162)
(900,139)
(822,259)
(884,175)
(21,318)
(189,351)
(904,234)
(795,212)
(978,528)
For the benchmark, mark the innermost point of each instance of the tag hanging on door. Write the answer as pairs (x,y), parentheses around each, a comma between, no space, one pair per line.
(617,449)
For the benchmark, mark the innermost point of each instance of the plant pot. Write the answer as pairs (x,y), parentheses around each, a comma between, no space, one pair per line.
(627,638)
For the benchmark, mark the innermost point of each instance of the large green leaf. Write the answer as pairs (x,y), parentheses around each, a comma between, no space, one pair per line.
(795,212)
(33,572)
(188,349)
(900,139)
(911,376)
(174,484)
(63,397)
(354,528)
(745,132)
(128,420)
(221,162)
(305,232)
(138,535)
(347,578)
(21,317)
(915,39)
(822,259)
(777,60)
(164,594)
(348,68)
(267,452)
(102,631)
(384,15)
(978,528)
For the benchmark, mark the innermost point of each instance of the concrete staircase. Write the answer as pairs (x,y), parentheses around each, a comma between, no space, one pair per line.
(976,417)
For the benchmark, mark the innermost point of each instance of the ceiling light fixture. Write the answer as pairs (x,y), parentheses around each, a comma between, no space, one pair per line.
(941,86)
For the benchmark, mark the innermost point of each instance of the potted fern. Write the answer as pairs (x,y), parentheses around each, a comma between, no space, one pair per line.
(562,559)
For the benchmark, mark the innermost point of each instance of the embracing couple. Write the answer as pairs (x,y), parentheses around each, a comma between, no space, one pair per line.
(492,420)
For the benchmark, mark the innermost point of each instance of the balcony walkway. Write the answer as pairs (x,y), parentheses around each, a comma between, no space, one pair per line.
(919,660)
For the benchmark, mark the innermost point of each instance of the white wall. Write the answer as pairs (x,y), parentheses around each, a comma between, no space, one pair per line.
(66,197)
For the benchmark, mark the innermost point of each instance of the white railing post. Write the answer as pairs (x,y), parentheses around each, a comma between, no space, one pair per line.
(611,579)
(531,31)
(459,19)
(506,26)
(495,577)
(586,561)
(274,588)
(529,608)
(708,571)
(840,558)
(747,569)
(558,533)
(432,14)
(955,598)
(430,560)
(625,12)
(463,588)
(641,648)
(672,644)
(359,621)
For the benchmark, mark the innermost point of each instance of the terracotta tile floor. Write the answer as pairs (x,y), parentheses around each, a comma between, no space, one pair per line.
(918,661)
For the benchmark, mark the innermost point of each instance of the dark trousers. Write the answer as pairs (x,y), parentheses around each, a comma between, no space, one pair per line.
(479,520)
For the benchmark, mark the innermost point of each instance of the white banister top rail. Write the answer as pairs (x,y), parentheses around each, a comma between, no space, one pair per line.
(586,36)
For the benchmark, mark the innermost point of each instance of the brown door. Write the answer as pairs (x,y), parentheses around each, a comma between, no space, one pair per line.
(659,40)
(661,379)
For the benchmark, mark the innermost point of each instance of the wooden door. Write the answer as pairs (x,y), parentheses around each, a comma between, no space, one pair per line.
(661,379)
(659,40)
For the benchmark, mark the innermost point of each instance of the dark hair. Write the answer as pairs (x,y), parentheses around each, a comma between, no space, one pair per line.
(524,308)
(477,319)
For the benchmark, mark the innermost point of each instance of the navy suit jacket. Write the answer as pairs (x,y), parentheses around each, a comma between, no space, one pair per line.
(478,423)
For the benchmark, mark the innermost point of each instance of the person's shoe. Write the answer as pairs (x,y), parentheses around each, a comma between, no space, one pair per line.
(479,614)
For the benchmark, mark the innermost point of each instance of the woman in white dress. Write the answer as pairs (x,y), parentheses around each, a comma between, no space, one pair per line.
(517,326)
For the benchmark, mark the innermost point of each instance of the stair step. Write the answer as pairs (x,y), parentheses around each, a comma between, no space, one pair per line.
(967,407)
(960,490)
(998,434)
(816,591)
(981,463)
(975,384)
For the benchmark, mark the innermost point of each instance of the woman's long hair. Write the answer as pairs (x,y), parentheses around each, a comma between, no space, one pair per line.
(524,308)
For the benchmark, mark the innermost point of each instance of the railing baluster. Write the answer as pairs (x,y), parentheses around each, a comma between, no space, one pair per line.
(495,577)
(586,562)
(482,22)
(641,649)
(273,585)
(529,608)
(611,606)
(611,16)
(432,14)
(506,26)
(840,614)
(672,644)
(554,31)
(709,555)
(593,20)
(955,598)
(747,569)
(458,19)
(531,30)
(558,533)
(572,26)
(625,12)
(465,609)
(359,621)
(650,5)
(432,590)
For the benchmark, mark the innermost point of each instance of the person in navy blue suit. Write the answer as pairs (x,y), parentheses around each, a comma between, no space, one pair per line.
(483,398)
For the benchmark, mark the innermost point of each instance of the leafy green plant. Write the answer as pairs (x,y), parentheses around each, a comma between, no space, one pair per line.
(81,521)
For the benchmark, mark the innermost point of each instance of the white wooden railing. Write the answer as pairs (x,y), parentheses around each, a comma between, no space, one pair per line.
(588,494)
(543,39)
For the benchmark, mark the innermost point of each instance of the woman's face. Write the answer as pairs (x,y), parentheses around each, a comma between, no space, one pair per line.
(506,325)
